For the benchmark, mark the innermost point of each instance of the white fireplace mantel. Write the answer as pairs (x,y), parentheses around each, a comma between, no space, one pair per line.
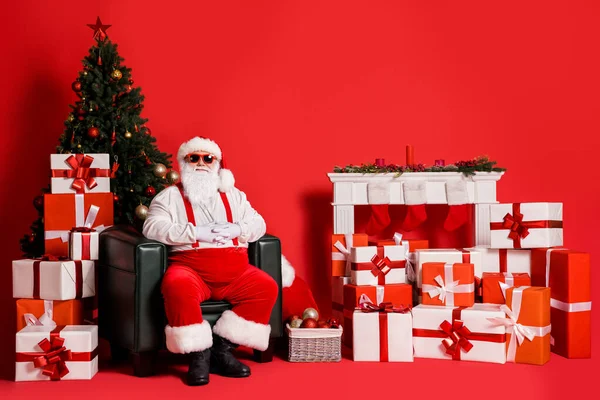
(354,188)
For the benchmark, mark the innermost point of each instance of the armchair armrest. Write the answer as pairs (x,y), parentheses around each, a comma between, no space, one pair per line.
(130,270)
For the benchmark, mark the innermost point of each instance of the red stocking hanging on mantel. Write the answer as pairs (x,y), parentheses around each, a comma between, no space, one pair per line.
(458,199)
(378,195)
(415,198)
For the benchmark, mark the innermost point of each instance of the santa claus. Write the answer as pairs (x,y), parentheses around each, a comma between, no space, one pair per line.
(208,223)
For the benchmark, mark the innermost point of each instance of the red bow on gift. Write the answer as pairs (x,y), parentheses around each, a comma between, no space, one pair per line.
(54,357)
(51,257)
(458,337)
(384,307)
(382,265)
(515,223)
(81,169)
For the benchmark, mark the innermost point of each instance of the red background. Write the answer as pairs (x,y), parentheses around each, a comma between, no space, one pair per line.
(290,89)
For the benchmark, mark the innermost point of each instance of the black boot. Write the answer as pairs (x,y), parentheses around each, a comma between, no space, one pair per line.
(222,362)
(199,368)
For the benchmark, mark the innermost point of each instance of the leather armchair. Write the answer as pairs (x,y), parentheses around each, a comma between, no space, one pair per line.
(131,314)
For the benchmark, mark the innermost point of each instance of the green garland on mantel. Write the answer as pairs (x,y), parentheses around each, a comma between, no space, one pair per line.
(469,167)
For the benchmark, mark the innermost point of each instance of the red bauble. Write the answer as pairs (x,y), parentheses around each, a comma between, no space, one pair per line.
(130,81)
(81,118)
(322,324)
(309,323)
(38,203)
(93,132)
(81,111)
(333,323)
(76,86)
(150,191)
(116,198)
(31,238)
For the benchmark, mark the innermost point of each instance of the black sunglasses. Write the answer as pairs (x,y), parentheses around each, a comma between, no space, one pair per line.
(208,159)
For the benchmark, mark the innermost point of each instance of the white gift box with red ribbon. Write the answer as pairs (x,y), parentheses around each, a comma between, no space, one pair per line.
(378,265)
(526,225)
(80,173)
(56,353)
(458,333)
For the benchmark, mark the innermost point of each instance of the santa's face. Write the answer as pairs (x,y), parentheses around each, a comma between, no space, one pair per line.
(200,177)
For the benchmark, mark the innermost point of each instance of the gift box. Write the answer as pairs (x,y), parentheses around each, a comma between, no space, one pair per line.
(504,260)
(492,288)
(452,256)
(80,173)
(382,333)
(526,225)
(63,212)
(446,284)
(51,279)
(48,312)
(337,296)
(568,275)
(84,244)
(399,294)
(458,333)
(372,265)
(340,251)
(527,324)
(63,352)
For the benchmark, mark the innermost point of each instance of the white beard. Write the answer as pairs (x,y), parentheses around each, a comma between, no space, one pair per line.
(199,187)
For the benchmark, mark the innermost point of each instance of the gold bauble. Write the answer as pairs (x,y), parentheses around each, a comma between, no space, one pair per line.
(78,146)
(128,135)
(85,73)
(141,212)
(71,118)
(159,170)
(173,177)
(116,74)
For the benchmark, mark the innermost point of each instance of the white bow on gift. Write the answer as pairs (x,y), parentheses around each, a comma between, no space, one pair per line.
(519,332)
(45,320)
(345,256)
(88,222)
(408,256)
(443,289)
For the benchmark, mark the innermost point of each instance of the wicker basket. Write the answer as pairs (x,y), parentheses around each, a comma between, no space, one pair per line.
(314,345)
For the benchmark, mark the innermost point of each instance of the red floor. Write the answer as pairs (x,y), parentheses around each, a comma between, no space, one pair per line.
(423,379)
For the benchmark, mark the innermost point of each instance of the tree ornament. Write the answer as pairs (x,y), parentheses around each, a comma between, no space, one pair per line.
(116,198)
(93,132)
(135,127)
(130,81)
(310,313)
(150,191)
(128,135)
(85,73)
(116,74)
(79,146)
(38,203)
(148,131)
(173,177)
(99,29)
(141,212)
(113,137)
(76,86)
(71,118)
(81,118)
(80,111)
(128,88)
(31,238)
(160,170)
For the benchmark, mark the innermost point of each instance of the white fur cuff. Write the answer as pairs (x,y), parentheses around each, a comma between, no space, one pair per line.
(243,332)
(189,338)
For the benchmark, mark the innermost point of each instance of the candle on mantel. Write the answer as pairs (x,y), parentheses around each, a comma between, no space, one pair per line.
(380,162)
(410,156)
(440,163)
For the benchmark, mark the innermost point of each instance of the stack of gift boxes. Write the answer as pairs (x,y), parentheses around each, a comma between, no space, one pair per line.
(514,301)
(53,341)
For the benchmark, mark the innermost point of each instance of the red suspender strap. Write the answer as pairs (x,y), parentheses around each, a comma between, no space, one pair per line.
(189,211)
(228,212)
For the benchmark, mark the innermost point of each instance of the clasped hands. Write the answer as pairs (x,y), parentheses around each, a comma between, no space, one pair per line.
(219,233)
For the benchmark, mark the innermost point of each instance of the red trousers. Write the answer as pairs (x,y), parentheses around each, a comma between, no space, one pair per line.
(219,274)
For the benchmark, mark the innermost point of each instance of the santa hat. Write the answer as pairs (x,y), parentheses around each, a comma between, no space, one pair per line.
(198,144)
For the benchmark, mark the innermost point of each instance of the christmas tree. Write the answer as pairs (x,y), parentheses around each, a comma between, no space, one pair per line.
(106,118)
